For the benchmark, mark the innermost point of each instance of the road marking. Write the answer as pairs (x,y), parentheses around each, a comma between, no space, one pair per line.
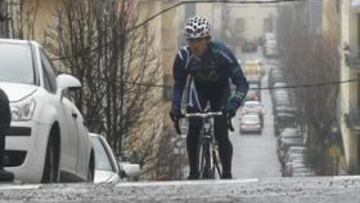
(186,182)
(19,187)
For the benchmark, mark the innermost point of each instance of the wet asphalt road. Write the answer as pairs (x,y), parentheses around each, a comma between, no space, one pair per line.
(255,167)
(268,190)
(255,154)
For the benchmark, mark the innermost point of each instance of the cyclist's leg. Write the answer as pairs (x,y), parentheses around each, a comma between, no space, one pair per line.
(192,142)
(222,137)
(225,145)
(196,103)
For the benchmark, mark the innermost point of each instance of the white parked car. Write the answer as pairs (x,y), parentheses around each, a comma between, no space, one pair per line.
(47,140)
(107,167)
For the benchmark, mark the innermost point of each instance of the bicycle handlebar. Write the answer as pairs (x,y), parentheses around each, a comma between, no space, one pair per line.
(204,115)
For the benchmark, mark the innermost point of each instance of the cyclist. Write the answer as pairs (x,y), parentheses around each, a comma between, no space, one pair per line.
(210,65)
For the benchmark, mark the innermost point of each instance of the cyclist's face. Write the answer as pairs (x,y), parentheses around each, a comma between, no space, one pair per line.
(198,46)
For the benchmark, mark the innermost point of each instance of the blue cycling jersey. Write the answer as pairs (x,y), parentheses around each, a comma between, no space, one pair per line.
(209,76)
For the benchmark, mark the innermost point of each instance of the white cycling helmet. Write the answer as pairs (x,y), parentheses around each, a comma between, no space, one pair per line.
(197,27)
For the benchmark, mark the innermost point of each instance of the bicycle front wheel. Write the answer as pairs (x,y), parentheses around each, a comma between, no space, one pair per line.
(205,160)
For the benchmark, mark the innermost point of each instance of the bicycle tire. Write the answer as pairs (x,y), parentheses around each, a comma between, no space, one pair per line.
(207,167)
(210,162)
(217,163)
(200,160)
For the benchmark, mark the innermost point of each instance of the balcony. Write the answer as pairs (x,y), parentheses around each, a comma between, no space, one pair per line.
(352,61)
(352,119)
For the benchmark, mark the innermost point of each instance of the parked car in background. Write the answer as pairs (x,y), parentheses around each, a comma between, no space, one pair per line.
(107,166)
(249,46)
(254,93)
(283,120)
(252,107)
(275,75)
(47,140)
(250,123)
(253,67)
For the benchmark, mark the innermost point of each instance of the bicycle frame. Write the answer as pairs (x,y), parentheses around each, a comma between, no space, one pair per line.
(207,153)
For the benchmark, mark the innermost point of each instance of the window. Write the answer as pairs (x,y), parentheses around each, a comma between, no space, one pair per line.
(102,160)
(49,73)
(16,64)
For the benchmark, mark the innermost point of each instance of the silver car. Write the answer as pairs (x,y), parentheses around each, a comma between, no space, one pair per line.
(250,123)
(107,167)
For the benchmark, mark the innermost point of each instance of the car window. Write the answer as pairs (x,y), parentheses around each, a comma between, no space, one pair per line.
(102,161)
(251,104)
(49,73)
(251,119)
(16,64)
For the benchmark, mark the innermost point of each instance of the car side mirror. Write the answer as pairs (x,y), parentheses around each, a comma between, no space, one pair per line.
(129,170)
(66,81)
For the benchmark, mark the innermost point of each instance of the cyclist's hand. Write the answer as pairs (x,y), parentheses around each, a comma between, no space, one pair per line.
(232,106)
(228,119)
(175,115)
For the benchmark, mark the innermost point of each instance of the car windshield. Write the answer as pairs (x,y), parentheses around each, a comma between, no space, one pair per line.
(102,161)
(250,119)
(16,63)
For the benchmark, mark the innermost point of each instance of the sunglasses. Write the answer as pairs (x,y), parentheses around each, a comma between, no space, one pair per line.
(191,40)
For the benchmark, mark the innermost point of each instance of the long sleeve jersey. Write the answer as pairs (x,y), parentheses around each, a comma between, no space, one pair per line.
(209,74)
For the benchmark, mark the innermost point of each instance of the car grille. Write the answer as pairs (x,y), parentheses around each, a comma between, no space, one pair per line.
(19,131)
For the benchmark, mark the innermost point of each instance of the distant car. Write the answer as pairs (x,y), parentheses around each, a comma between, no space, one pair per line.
(301,171)
(107,166)
(47,140)
(253,67)
(271,52)
(254,93)
(275,75)
(249,46)
(252,107)
(287,142)
(283,120)
(250,123)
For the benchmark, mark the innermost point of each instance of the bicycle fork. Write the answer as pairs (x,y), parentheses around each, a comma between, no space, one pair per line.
(206,154)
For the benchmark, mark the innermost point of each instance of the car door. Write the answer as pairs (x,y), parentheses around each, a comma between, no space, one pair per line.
(83,144)
(66,119)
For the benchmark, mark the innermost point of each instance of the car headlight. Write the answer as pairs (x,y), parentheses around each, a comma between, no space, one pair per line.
(23,110)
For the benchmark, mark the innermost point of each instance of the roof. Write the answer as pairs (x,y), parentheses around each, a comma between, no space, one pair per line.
(19,41)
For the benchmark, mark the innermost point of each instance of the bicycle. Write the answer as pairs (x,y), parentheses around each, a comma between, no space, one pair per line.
(207,153)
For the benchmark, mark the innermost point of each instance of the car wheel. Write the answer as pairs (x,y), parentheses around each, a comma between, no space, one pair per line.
(50,174)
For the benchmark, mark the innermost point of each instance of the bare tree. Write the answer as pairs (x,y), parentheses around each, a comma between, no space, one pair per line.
(23,16)
(311,59)
(117,68)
